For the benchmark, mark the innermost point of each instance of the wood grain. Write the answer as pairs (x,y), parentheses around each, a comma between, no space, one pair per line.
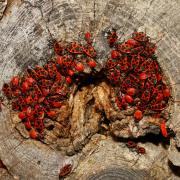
(25,34)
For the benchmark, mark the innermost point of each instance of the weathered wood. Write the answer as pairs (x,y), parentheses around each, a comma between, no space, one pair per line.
(3,4)
(25,32)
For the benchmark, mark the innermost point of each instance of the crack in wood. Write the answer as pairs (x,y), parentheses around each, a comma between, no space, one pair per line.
(42,15)
(94,10)
(3,7)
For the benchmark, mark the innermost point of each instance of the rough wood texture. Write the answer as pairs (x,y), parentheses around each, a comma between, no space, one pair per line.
(3,4)
(103,157)
(25,33)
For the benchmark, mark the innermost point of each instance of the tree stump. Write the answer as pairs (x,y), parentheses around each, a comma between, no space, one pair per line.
(26,29)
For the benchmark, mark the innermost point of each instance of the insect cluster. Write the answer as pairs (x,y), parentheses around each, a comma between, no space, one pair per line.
(39,93)
(133,70)
(133,146)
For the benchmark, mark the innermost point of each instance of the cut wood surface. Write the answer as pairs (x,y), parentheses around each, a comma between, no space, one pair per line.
(27,29)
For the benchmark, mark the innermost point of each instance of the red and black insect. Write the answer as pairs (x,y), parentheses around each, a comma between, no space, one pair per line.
(14,82)
(135,62)
(112,37)
(146,95)
(65,170)
(131,144)
(140,36)
(41,72)
(156,105)
(89,51)
(29,99)
(75,48)
(163,128)
(46,83)
(140,150)
(58,48)
(32,73)
(150,49)
(110,64)
(124,64)
(124,48)
(137,50)
(7,91)
(121,103)
(88,37)
(132,42)
(51,69)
